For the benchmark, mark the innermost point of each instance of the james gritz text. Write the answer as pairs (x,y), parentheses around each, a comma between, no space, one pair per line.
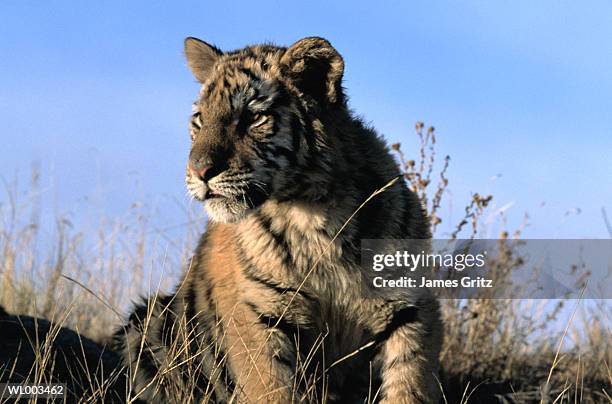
(407,282)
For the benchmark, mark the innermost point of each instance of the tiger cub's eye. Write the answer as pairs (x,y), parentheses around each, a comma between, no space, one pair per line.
(195,126)
(196,119)
(257,120)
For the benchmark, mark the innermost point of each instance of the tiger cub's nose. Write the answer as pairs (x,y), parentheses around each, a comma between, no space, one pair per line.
(201,172)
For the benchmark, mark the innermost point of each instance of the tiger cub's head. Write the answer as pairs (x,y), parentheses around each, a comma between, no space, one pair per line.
(258,128)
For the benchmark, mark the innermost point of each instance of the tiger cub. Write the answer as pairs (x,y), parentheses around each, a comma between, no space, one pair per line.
(274,306)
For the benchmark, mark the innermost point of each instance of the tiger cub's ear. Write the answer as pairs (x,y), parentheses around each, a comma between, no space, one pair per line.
(316,69)
(201,57)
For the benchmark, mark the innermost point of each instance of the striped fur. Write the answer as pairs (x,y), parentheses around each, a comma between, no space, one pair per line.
(273,307)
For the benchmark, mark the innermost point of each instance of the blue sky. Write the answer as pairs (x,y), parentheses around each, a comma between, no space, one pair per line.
(99,94)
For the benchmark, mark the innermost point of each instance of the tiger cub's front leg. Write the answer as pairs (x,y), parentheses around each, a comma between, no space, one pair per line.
(408,355)
(262,357)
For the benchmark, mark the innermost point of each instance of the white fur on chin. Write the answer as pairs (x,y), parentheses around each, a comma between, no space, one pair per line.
(221,212)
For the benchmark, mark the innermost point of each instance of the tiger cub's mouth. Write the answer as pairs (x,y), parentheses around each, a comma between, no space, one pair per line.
(210,194)
(228,196)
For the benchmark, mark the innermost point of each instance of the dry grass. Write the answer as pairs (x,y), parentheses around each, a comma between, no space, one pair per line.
(495,350)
